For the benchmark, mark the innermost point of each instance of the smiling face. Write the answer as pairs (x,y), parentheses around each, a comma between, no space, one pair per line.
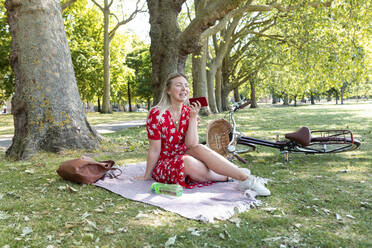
(179,90)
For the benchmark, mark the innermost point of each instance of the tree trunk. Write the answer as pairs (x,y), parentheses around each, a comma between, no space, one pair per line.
(312,99)
(99,105)
(199,62)
(253,94)
(219,89)
(169,46)
(106,60)
(225,86)
(285,100)
(129,98)
(211,92)
(47,109)
(329,96)
(164,44)
(236,95)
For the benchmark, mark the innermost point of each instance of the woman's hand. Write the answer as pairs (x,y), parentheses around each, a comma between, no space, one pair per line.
(194,109)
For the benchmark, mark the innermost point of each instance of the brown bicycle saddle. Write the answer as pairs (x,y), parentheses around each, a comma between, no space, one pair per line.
(302,136)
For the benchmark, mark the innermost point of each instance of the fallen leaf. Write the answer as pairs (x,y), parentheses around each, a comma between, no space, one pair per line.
(365,204)
(30,171)
(298,225)
(99,210)
(269,209)
(338,217)
(27,218)
(350,216)
(327,211)
(62,188)
(1,196)
(235,220)
(4,216)
(109,231)
(170,241)
(26,231)
(141,215)
(92,224)
(194,231)
(85,215)
(71,189)
(222,236)
(122,229)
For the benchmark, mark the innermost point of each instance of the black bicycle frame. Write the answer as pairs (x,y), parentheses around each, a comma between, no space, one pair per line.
(245,140)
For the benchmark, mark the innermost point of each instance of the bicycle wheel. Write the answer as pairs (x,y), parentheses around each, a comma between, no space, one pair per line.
(329,145)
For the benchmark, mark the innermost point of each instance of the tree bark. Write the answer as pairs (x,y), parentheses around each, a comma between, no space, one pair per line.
(285,99)
(199,62)
(236,95)
(106,60)
(225,85)
(253,94)
(169,46)
(219,89)
(129,98)
(47,109)
(312,99)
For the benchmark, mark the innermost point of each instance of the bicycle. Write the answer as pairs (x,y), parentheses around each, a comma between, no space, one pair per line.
(223,137)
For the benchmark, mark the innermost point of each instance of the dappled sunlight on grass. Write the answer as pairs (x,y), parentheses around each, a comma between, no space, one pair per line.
(306,193)
(98,118)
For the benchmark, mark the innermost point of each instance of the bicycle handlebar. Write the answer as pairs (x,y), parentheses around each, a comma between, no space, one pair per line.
(243,105)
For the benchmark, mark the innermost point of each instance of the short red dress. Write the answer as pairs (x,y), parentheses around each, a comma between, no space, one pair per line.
(169,167)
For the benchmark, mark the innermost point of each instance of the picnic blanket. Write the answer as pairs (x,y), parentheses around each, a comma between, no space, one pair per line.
(218,201)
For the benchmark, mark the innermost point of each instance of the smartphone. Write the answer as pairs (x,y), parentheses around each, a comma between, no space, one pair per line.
(203,100)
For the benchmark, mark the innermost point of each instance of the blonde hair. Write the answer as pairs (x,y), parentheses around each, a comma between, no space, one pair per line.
(165,101)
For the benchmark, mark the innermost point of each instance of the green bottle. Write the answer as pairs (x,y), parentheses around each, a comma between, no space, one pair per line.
(167,189)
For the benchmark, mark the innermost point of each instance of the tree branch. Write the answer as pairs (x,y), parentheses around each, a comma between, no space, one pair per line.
(216,10)
(125,21)
(222,23)
(270,7)
(109,5)
(99,6)
(188,12)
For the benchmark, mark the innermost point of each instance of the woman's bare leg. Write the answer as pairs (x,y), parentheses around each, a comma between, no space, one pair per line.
(199,172)
(216,162)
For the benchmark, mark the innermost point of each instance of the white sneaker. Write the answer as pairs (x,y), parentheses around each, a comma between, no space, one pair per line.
(253,183)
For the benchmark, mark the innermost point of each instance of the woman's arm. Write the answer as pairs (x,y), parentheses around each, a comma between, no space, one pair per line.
(192,137)
(152,157)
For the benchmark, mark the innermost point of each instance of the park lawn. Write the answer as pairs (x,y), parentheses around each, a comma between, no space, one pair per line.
(316,201)
(95,118)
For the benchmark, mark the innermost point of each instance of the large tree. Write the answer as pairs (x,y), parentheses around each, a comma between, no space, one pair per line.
(107,37)
(48,113)
(169,45)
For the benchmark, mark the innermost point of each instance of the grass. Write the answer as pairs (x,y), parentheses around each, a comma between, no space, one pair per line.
(7,126)
(314,202)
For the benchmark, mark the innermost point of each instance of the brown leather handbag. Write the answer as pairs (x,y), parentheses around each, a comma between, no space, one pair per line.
(86,170)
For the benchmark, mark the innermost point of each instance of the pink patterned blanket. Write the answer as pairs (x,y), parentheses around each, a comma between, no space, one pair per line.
(218,201)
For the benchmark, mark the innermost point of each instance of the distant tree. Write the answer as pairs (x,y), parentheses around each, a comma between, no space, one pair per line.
(6,74)
(106,8)
(140,61)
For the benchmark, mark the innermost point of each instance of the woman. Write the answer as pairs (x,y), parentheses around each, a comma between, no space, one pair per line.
(174,154)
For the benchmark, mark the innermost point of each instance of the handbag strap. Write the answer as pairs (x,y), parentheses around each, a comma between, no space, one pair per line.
(111,173)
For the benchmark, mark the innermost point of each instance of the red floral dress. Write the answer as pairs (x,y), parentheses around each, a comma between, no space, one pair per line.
(169,167)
